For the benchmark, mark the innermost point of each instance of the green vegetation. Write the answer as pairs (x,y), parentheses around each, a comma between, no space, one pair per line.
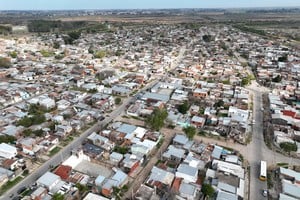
(247,80)
(71,37)
(25,172)
(190,132)
(5,29)
(100,54)
(5,62)
(33,120)
(119,192)
(7,139)
(9,184)
(226,82)
(219,103)
(118,100)
(35,109)
(157,119)
(281,164)
(13,54)
(249,29)
(81,188)
(47,53)
(54,151)
(121,150)
(277,79)
(58,196)
(288,146)
(207,190)
(207,38)
(183,108)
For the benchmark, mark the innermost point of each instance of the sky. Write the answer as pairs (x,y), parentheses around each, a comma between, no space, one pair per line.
(139,4)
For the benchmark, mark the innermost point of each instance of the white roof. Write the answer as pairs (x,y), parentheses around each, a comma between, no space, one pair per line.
(7,148)
(92,196)
(140,132)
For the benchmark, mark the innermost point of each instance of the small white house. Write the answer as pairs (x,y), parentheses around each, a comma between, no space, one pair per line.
(7,151)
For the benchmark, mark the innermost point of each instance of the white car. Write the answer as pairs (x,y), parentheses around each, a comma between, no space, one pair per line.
(265,193)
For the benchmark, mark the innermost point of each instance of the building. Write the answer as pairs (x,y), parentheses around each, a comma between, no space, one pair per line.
(7,151)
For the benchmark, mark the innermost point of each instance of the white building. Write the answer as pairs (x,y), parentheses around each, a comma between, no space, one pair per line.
(7,151)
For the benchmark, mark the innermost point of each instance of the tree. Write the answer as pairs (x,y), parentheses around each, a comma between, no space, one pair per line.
(100,54)
(190,131)
(13,54)
(58,196)
(56,45)
(207,190)
(27,132)
(7,139)
(81,188)
(157,119)
(277,79)
(183,108)
(288,146)
(118,100)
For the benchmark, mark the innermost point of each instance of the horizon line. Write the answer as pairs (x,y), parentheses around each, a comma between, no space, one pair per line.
(110,9)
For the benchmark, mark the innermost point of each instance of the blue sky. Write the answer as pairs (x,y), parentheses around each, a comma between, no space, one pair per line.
(139,4)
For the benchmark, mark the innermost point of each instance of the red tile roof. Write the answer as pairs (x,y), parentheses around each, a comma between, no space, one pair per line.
(63,171)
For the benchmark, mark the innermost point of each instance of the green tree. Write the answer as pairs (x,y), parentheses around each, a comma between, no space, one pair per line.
(207,190)
(58,196)
(157,119)
(7,139)
(25,121)
(277,79)
(121,150)
(27,132)
(100,54)
(190,131)
(13,54)
(56,45)
(81,188)
(118,100)
(288,146)
(183,108)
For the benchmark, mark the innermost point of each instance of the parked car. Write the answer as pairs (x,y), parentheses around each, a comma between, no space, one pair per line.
(265,193)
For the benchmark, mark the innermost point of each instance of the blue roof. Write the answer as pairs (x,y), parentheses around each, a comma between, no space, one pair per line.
(126,128)
(217,152)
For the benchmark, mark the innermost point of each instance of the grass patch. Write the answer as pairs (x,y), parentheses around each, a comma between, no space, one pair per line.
(10,184)
(54,151)
(282,164)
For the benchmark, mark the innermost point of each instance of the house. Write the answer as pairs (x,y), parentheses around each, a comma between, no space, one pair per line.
(63,171)
(91,196)
(188,173)
(292,190)
(200,93)
(189,191)
(174,154)
(116,157)
(50,181)
(160,176)
(222,195)
(29,145)
(118,180)
(289,174)
(131,162)
(198,122)
(46,102)
(7,151)
(119,90)
(39,194)
(63,104)
(180,139)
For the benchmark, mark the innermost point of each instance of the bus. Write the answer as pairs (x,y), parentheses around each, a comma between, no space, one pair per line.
(263,170)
